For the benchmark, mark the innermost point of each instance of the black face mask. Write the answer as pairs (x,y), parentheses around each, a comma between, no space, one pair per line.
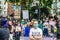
(9,25)
(16,24)
(31,25)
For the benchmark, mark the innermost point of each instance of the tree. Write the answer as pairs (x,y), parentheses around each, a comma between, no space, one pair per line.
(45,6)
(46,3)
(13,1)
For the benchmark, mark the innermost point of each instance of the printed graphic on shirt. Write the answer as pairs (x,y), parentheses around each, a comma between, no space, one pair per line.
(35,33)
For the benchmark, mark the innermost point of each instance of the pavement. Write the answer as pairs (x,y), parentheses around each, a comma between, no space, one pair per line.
(44,38)
(58,39)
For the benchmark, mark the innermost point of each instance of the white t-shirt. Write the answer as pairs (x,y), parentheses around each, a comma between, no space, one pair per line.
(18,29)
(35,32)
(45,23)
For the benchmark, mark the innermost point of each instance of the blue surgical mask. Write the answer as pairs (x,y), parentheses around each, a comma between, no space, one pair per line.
(35,25)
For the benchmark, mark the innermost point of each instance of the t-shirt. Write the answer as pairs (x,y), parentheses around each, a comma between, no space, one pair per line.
(9,27)
(45,23)
(18,29)
(5,23)
(53,23)
(36,32)
(41,26)
(26,31)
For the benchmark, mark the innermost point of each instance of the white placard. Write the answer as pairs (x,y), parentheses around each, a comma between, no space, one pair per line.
(25,14)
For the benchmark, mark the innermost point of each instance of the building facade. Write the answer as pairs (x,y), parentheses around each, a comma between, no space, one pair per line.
(3,8)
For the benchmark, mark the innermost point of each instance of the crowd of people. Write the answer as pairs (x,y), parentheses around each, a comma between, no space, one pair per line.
(34,29)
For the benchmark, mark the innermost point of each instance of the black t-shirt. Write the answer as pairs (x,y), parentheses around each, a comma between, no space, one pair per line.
(1,22)
(9,26)
(55,17)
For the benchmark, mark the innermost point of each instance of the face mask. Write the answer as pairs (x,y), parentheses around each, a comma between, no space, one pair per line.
(35,25)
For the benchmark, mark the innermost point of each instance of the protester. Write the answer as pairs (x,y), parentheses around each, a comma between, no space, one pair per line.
(35,32)
(4,31)
(27,30)
(45,29)
(41,25)
(11,29)
(58,29)
(52,23)
(50,16)
(55,17)
(17,32)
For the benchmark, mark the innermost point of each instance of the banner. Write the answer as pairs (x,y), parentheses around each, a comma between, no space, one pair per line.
(19,7)
(25,14)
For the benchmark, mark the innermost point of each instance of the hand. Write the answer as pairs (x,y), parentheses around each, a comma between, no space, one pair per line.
(32,39)
(37,37)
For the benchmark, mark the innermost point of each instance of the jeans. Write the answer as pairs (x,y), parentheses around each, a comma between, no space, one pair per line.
(45,32)
(17,35)
(11,37)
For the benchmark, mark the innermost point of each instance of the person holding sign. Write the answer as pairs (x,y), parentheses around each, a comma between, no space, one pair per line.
(35,32)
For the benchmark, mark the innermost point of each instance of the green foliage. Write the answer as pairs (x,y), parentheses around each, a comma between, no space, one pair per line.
(47,3)
(45,6)
(13,1)
(45,10)
(17,0)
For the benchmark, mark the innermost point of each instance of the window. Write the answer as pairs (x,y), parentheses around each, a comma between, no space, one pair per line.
(4,7)
(0,2)
(4,12)
(0,7)
(0,11)
(59,0)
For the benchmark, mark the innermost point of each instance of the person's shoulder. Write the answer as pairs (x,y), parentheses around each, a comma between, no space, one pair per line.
(39,29)
(32,29)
